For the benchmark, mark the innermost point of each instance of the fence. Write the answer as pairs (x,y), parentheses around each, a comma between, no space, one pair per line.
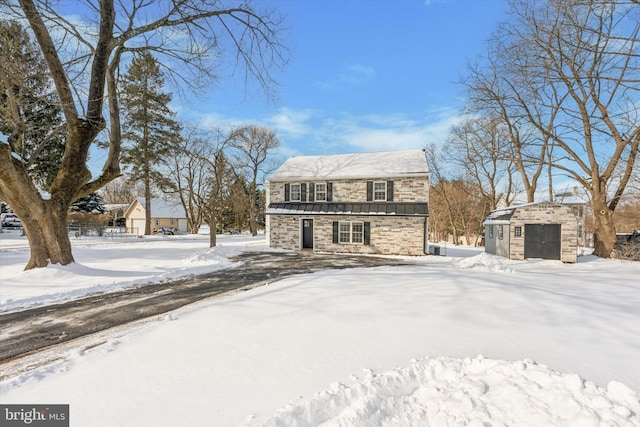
(79,231)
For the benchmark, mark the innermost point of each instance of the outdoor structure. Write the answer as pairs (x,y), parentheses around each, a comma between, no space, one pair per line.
(116,212)
(375,203)
(534,230)
(163,214)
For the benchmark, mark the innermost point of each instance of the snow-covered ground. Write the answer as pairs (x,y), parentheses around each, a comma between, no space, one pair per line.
(466,339)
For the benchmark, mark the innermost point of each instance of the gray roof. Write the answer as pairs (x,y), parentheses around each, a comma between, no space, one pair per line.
(504,215)
(164,208)
(364,209)
(387,164)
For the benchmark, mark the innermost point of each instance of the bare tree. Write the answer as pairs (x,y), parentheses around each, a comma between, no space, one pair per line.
(188,175)
(479,146)
(84,60)
(118,191)
(253,146)
(493,90)
(197,174)
(221,172)
(572,69)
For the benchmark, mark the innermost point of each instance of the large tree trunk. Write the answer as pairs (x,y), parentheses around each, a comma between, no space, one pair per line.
(48,238)
(604,228)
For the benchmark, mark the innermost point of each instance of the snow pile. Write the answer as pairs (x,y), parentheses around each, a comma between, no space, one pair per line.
(488,262)
(470,392)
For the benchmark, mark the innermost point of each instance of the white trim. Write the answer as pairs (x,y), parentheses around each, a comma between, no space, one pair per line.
(291,199)
(315,191)
(351,223)
(373,195)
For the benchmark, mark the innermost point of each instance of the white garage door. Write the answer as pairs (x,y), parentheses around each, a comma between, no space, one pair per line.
(137,226)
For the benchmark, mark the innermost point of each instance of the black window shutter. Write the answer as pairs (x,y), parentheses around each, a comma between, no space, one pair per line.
(329,191)
(312,191)
(335,231)
(287,189)
(369,191)
(367,233)
(303,192)
(389,191)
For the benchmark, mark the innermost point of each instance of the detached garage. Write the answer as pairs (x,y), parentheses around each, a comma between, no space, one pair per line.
(534,230)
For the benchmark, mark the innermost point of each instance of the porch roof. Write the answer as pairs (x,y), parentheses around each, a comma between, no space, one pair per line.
(395,209)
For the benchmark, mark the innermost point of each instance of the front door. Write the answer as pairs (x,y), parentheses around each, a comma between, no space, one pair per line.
(307,234)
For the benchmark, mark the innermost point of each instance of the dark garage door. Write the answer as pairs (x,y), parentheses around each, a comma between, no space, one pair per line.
(542,241)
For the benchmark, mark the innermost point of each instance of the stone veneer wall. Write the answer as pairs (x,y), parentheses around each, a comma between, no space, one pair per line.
(405,190)
(391,235)
(546,214)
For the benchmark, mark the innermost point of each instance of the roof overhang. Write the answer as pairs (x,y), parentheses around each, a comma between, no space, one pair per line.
(362,209)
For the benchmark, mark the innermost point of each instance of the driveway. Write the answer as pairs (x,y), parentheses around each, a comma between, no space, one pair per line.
(38,336)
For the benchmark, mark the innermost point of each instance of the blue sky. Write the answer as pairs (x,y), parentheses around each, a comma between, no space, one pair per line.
(364,75)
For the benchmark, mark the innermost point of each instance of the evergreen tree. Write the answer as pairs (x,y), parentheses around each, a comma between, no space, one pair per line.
(150,131)
(29,110)
(91,204)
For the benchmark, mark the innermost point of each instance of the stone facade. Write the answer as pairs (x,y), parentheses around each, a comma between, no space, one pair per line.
(408,189)
(539,213)
(389,234)
(396,235)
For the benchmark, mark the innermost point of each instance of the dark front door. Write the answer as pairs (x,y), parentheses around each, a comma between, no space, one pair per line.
(542,241)
(307,234)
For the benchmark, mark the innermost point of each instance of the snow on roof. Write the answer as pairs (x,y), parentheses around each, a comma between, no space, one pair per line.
(115,206)
(358,165)
(502,216)
(164,208)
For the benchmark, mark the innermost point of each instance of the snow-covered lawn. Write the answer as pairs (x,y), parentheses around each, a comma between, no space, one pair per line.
(468,338)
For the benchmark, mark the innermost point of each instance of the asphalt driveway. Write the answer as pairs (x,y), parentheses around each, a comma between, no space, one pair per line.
(26,333)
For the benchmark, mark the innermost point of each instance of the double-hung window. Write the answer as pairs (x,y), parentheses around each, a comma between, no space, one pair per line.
(357,232)
(294,192)
(380,191)
(351,232)
(345,232)
(321,192)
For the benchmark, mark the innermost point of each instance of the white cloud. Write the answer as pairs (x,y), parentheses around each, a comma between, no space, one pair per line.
(291,122)
(354,75)
(390,132)
(311,132)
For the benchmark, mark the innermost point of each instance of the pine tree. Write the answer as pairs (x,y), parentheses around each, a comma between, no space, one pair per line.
(29,111)
(91,204)
(150,130)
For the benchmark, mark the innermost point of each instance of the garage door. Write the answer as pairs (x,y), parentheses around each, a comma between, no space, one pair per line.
(137,226)
(542,241)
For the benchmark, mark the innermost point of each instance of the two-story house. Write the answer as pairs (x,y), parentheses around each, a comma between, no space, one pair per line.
(375,203)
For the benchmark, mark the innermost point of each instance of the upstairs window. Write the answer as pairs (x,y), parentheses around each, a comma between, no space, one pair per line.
(380,191)
(321,192)
(294,192)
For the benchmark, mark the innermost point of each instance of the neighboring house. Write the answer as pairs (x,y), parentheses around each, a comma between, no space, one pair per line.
(116,213)
(534,230)
(375,203)
(164,213)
